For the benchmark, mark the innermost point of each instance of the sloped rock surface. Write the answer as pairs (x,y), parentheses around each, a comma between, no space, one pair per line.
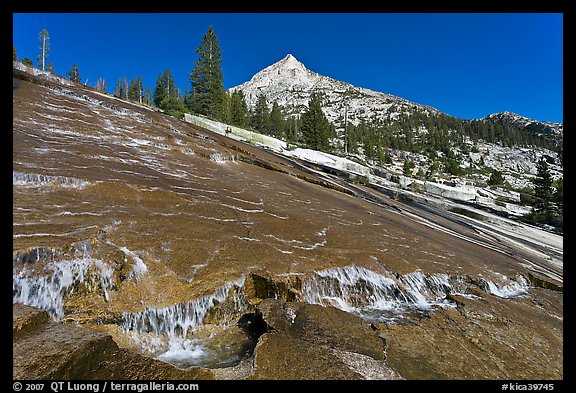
(44,349)
(307,341)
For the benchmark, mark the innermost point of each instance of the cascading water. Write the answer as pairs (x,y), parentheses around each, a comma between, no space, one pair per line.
(376,296)
(388,297)
(46,286)
(42,279)
(167,332)
(508,288)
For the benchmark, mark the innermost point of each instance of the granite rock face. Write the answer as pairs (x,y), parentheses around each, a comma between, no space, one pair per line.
(136,224)
(308,341)
(44,349)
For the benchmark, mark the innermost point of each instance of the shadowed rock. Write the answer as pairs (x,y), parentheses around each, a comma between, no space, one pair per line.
(44,349)
(307,341)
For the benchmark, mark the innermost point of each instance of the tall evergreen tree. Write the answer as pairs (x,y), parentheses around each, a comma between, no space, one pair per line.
(101,85)
(119,90)
(164,88)
(276,123)
(543,210)
(226,111)
(207,78)
(14,55)
(315,126)
(260,116)
(159,90)
(74,74)
(147,97)
(167,96)
(558,198)
(44,38)
(136,90)
(238,108)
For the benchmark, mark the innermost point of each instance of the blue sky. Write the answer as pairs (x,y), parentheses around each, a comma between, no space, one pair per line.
(466,65)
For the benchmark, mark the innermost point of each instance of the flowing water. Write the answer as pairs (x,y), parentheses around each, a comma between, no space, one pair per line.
(179,335)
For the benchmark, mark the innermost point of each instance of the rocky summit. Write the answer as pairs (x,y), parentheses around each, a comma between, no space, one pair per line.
(147,247)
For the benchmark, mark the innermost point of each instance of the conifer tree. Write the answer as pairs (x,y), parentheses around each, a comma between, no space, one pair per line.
(260,115)
(276,123)
(147,97)
(206,77)
(101,85)
(315,127)
(238,108)
(119,90)
(167,97)
(44,38)
(136,90)
(74,74)
(27,62)
(542,211)
(14,55)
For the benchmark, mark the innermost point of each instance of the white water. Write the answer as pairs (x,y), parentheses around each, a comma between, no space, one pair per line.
(46,287)
(376,296)
(167,332)
(509,288)
(20,179)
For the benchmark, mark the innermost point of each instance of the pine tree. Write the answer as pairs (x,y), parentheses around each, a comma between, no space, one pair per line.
(101,85)
(496,178)
(147,97)
(542,211)
(74,74)
(167,96)
(276,123)
(238,108)
(164,88)
(558,199)
(315,127)
(119,90)
(14,55)
(50,67)
(226,111)
(134,90)
(159,91)
(44,38)
(260,115)
(206,77)
(27,62)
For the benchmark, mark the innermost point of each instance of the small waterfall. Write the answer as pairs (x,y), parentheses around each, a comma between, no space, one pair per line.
(376,296)
(166,332)
(508,288)
(20,179)
(139,267)
(222,158)
(47,286)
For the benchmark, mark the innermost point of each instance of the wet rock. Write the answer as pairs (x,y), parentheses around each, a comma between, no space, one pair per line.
(126,365)
(52,350)
(309,341)
(44,349)
(261,285)
(282,357)
(495,339)
(25,319)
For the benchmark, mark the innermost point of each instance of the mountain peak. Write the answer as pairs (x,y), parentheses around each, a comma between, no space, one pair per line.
(289,62)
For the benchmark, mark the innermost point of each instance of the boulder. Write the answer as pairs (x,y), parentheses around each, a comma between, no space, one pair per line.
(44,349)
(327,326)
(282,357)
(310,341)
